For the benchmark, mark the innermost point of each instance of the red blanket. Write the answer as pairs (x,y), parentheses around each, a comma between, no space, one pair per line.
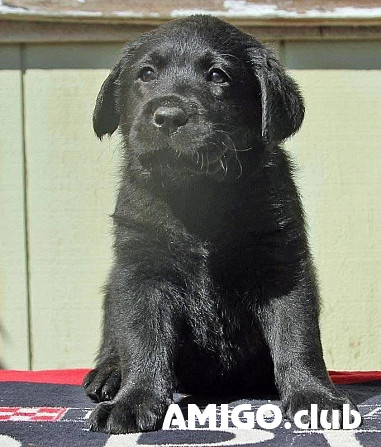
(75,376)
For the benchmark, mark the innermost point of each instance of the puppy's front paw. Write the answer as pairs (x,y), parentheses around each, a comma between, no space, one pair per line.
(103,382)
(131,413)
(327,400)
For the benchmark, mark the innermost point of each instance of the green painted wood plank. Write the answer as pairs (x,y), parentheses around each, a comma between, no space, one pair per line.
(338,150)
(70,195)
(13,276)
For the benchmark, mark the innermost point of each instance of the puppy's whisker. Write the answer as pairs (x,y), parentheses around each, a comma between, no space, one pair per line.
(226,148)
(238,161)
(222,124)
(226,127)
(225,168)
(239,164)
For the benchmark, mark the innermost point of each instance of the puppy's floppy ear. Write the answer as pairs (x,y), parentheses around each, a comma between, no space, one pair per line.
(106,113)
(106,116)
(282,102)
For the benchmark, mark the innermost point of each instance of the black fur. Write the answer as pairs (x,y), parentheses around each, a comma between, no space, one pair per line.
(213,289)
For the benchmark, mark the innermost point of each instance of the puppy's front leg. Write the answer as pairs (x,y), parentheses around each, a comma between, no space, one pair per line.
(103,382)
(145,322)
(290,327)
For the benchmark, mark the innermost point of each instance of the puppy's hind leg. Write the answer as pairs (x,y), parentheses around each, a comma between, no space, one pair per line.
(103,382)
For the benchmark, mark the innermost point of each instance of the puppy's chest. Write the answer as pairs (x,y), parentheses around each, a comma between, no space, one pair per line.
(217,214)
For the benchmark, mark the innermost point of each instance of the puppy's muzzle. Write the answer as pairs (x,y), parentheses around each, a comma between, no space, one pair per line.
(169,119)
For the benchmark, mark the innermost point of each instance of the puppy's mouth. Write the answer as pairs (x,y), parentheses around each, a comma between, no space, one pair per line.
(205,161)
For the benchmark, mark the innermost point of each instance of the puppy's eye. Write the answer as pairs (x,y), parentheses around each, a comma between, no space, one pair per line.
(147,74)
(217,76)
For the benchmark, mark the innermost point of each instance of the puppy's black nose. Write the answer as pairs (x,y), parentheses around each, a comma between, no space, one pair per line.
(169,118)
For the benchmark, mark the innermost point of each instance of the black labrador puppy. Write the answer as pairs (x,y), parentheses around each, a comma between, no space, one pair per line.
(213,289)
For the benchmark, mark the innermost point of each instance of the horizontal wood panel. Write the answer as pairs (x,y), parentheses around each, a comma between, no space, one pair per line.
(333,55)
(150,9)
(34,31)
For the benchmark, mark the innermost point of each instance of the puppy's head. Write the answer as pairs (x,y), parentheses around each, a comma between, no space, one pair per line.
(195,96)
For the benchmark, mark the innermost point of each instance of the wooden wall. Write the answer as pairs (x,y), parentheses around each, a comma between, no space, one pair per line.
(57,186)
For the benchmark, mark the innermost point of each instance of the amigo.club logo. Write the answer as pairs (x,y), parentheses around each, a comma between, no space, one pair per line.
(268,416)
